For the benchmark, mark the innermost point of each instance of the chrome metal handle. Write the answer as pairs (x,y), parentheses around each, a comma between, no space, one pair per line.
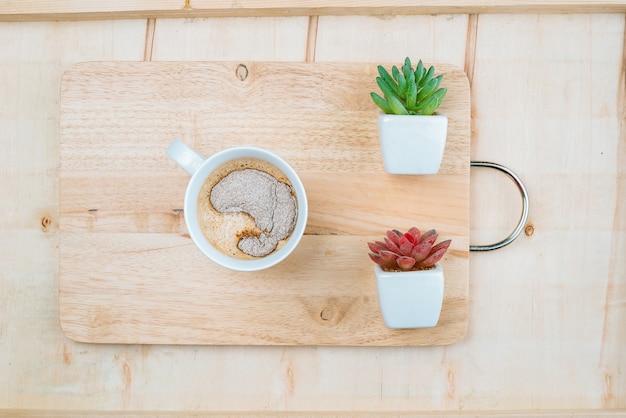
(523,218)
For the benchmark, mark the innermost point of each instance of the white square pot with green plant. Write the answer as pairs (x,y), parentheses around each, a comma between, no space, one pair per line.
(412,135)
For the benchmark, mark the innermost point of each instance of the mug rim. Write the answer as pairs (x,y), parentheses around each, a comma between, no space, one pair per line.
(191,205)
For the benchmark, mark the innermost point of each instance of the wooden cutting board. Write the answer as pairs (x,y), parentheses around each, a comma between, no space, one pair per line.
(128,271)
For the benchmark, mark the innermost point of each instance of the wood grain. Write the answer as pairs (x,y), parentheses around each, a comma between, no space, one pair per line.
(546,315)
(129,272)
(14,10)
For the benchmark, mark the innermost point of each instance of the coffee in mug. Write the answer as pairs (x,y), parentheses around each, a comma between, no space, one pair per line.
(245,207)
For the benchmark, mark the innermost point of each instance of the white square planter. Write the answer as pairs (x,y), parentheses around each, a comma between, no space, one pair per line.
(410,299)
(412,144)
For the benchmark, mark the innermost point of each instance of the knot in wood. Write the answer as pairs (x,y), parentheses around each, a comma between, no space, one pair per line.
(241,72)
(326,314)
(45,223)
(529,230)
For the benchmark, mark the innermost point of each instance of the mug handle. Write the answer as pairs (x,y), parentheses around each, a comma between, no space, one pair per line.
(185,156)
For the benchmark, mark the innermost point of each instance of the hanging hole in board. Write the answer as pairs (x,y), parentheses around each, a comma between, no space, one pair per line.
(241,72)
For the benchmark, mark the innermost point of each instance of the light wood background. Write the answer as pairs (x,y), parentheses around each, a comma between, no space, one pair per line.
(547,320)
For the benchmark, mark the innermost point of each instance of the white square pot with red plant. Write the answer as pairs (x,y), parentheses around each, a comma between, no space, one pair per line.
(409,277)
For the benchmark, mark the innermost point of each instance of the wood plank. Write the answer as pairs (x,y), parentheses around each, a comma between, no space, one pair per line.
(125,254)
(338,414)
(15,10)
(225,38)
(577,197)
(132,291)
(446,36)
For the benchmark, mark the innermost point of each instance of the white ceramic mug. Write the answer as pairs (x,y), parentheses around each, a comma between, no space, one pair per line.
(200,168)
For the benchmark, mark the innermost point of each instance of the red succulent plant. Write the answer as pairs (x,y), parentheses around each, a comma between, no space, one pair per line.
(409,251)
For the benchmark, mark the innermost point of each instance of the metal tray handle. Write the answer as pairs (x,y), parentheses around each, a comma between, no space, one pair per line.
(523,218)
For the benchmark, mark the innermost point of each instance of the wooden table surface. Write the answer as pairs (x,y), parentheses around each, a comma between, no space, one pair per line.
(547,315)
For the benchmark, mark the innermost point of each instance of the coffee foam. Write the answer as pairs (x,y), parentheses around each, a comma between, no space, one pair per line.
(224,230)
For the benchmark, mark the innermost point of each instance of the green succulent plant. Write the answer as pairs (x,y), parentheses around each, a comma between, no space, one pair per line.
(408,90)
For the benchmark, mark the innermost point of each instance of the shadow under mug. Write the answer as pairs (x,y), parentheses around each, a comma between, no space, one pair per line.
(200,168)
